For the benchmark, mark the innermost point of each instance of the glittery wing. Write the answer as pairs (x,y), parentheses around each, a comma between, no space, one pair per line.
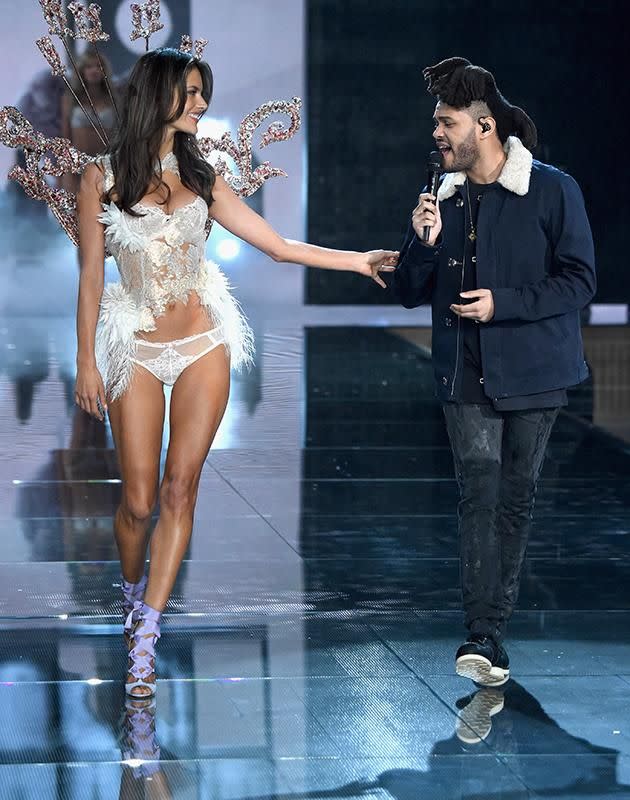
(249,180)
(44,157)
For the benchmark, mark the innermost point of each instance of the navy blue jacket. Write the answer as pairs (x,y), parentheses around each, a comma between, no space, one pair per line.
(535,253)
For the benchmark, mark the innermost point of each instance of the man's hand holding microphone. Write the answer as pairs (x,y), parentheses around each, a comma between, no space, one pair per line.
(426,219)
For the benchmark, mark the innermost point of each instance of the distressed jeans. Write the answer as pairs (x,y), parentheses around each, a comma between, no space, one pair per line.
(498,457)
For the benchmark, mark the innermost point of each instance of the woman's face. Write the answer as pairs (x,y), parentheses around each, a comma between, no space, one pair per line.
(92,74)
(195,104)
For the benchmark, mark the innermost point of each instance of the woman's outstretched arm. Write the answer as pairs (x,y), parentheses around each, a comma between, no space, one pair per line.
(89,388)
(238,218)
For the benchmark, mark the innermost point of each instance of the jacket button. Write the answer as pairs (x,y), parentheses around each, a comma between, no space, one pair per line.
(474,259)
(445,381)
(459,202)
(448,322)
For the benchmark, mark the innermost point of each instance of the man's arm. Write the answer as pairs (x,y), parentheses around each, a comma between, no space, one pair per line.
(573,282)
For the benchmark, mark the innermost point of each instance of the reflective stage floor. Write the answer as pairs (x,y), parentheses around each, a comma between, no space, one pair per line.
(308,648)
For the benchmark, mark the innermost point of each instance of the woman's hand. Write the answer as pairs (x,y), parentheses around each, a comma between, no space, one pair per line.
(427,214)
(89,391)
(375,261)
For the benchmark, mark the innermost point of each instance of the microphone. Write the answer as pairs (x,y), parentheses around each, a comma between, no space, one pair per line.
(434,170)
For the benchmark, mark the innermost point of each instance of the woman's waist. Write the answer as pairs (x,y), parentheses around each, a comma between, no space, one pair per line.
(178,320)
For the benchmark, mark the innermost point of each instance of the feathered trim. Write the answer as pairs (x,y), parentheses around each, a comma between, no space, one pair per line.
(119,231)
(119,320)
(227,312)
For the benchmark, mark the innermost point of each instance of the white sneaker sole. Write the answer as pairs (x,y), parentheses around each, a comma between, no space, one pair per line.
(475,720)
(481,671)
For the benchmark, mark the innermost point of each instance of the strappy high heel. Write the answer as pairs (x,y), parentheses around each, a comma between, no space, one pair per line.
(143,626)
(131,593)
(139,743)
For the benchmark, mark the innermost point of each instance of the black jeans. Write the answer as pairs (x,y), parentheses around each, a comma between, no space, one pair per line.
(498,457)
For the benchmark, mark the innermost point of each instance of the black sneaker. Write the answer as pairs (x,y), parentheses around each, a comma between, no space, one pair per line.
(483,661)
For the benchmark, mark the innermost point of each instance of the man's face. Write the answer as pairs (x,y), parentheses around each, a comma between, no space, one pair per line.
(455,135)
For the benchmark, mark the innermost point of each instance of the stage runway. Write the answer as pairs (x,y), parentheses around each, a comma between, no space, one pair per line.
(308,648)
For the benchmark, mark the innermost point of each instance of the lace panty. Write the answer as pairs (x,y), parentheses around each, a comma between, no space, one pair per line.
(167,360)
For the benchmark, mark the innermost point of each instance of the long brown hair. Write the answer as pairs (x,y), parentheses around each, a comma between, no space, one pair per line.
(157,79)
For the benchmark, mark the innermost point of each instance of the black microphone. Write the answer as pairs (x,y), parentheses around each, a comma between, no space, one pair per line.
(434,170)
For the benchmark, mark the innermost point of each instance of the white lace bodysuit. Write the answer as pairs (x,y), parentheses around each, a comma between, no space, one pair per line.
(161,260)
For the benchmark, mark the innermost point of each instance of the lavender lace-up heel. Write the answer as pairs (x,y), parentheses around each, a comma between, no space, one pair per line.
(143,627)
(139,743)
(131,593)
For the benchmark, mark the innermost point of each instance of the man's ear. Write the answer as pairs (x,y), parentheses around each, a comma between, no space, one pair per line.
(487,124)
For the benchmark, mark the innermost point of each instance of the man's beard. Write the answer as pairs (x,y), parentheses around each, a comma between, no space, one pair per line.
(465,156)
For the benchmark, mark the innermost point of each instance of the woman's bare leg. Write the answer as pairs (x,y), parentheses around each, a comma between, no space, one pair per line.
(198,403)
(137,420)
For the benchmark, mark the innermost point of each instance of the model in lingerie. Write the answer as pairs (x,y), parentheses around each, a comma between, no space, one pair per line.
(171,320)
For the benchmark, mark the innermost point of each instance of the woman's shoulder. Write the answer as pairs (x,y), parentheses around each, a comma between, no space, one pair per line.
(93,173)
(104,165)
(97,175)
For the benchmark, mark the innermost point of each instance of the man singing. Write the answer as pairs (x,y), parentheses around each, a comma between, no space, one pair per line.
(508,266)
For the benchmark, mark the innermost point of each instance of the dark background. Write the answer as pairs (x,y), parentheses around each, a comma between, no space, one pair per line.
(565,63)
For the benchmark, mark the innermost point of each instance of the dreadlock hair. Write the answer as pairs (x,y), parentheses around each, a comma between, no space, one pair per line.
(458,83)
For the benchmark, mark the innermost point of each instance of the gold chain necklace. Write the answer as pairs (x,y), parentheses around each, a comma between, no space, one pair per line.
(473,233)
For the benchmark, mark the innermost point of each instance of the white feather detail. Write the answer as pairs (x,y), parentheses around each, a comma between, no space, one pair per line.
(226,311)
(119,320)
(119,232)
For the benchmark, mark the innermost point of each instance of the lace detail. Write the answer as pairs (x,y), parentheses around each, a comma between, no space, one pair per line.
(167,360)
(169,162)
(159,255)
(169,364)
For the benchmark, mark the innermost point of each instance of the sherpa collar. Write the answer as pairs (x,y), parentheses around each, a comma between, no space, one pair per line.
(514,176)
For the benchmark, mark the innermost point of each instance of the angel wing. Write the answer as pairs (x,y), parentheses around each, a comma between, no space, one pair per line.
(47,158)
(249,180)
(44,157)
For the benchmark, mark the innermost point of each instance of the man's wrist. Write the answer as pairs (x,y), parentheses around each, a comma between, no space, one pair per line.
(426,246)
